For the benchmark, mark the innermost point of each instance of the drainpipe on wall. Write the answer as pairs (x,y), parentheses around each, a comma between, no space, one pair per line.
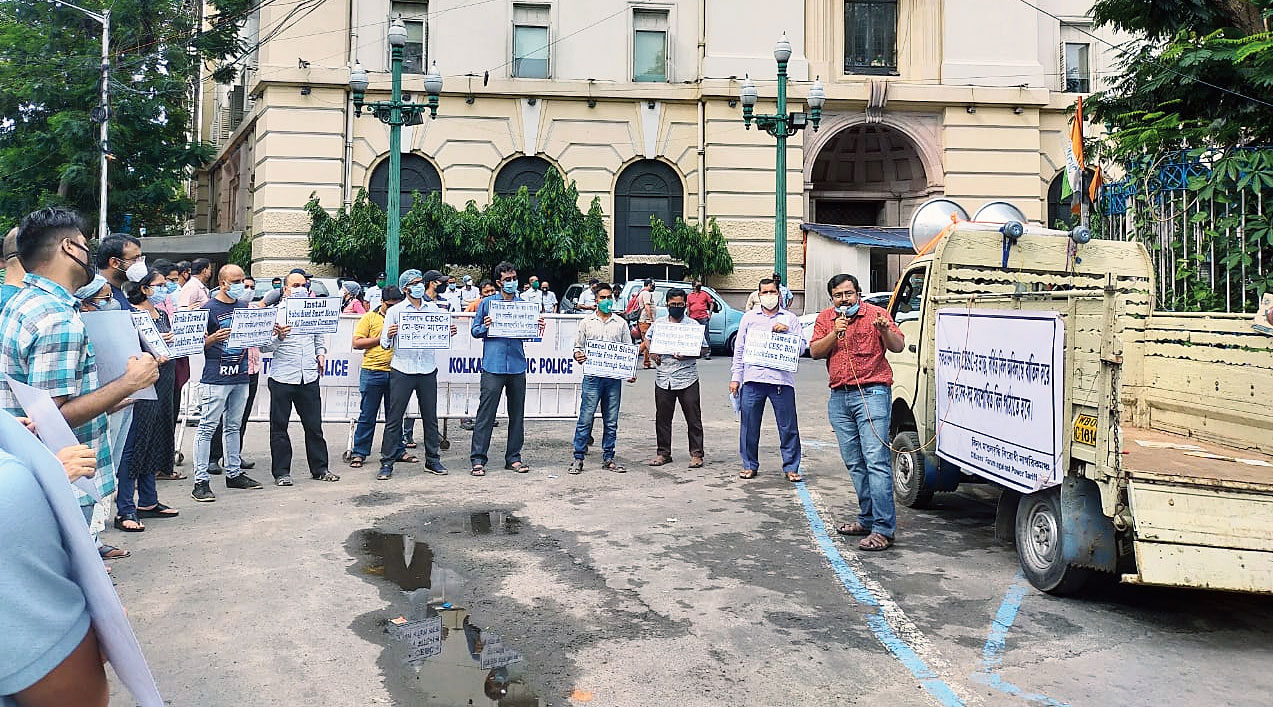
(702,116)
(347,186)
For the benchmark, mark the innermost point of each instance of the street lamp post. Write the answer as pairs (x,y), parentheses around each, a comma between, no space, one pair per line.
(103,108)
(395,113)
(782,126)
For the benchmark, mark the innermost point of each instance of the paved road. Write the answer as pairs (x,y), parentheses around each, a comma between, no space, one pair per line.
(656,587)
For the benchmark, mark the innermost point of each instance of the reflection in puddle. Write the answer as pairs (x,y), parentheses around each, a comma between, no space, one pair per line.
(447,658)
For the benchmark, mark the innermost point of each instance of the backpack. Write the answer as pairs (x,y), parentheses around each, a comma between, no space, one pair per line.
(633,311)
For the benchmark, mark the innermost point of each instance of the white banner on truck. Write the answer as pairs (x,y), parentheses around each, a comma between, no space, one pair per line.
(1000,382)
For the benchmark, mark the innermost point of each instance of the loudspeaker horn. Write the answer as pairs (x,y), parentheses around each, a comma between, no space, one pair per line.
(1000,212)
(931,218)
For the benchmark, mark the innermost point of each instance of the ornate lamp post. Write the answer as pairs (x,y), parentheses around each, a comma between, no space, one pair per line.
(782,126)
(395,113)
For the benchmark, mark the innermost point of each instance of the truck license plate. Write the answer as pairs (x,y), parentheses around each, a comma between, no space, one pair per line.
(1085,430)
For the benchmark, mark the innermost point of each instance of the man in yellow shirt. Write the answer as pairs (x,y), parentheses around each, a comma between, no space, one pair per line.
(373,381)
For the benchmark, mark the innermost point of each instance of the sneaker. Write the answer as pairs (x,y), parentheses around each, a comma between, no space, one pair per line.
(247,464)
(215,468)
(283,481)
(576,467)
(203,492)
(466,424)
(386,473)
(436,468)
(242,481)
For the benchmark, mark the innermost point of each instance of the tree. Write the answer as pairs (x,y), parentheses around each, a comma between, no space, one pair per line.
(352,240)
(703,250)
(49,84)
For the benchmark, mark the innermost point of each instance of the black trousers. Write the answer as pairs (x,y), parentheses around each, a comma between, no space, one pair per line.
(304,397)
(401,387)
(217,442)
(691,407)
(512,385)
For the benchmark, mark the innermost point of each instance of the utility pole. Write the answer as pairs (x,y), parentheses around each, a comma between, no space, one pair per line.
(103,109)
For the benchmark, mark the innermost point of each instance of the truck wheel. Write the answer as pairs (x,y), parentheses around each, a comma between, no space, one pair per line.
(1039,540)
(909,482)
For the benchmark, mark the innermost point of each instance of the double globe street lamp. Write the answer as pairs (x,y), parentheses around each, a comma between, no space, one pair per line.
(396,113)
(782,126)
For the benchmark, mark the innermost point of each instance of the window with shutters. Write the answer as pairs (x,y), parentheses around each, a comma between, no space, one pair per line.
(530,41)
(870,36)
(415,19)
(649,45)
(1078,73)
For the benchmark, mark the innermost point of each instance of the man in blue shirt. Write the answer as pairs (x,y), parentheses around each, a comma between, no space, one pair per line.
(503,372)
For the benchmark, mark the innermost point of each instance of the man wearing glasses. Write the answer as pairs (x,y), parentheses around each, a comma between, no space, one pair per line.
(852,336)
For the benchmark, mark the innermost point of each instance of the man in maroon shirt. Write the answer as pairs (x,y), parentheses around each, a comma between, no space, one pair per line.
(699,305)
(852,336)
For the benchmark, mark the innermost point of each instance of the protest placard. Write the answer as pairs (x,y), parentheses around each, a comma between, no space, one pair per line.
(671,339)
(610,359)
(313,315)
(771,349)
(251,327)
(150,336)
(423,638)
(514,320)
(424,330)
(114,341)
(188,331)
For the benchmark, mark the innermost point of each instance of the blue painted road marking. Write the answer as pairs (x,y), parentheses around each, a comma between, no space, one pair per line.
(992,652)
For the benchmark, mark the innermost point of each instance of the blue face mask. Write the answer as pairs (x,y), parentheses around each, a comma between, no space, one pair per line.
(417,291)
(849,310)
(158,297)
(510,287)
(93,287)
(172,287)
(109,305)
(236,291)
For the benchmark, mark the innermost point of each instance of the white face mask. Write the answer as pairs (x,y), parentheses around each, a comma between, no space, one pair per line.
(137,270)
(769,301)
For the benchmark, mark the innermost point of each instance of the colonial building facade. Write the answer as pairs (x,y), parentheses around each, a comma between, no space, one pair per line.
(636,101)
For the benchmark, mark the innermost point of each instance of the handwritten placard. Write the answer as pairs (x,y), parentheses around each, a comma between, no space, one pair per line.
(424,330)
(771,349)
(150,336)
(423,638)
(671,339)
(514,320)
(189,327)
(610,359)
(251,327)
(495,654)
(313,315)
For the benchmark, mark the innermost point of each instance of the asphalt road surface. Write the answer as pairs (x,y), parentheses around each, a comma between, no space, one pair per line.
(663,586)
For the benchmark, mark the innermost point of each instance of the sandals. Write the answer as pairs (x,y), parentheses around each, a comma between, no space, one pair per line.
(128,518)
(110,552)
(612,465)
(477,470)
(660,460)
(158,511)
(169,476)
(356,462)
(411,445)
(794,477)
(875,543)
(696,462)
(409,458)
(518,467)
(748,473)
(385,474)
(325,476)
(854,528)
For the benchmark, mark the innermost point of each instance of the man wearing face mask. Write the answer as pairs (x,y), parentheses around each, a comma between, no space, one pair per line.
(676,380)
(411,371)
(754,384)
(854,336)
(119,260)
(293,380)
(452,296)
(44,344)
(225,389)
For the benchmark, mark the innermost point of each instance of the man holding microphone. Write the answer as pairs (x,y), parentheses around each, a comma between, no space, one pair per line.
(853,336)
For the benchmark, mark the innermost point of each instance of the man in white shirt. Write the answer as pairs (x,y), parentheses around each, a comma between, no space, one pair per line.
(468,293)
(454,300)
(550,299)
(534,295)
(588,298)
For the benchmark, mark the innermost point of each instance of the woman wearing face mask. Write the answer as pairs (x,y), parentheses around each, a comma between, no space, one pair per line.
(148,451)
(350,302)
(97,296)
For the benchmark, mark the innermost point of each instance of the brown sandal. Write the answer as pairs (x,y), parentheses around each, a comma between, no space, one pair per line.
(696,462)
(477,470)
(356,462)
(875,543)
(409,458)
(659,461)
(748,473)
(854,528)
(794,477)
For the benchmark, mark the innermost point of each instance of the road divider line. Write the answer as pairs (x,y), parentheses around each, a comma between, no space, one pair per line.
(892,628)
(996,641)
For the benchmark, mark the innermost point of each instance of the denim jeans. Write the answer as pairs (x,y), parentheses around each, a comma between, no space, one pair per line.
(374,386)
(860,418)
(752,399)
(220,401)
(606,392)
(127,486)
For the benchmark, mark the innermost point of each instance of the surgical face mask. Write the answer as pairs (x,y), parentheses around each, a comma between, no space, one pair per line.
(137,270)
(450,286)
(605,306)
(278,285)
(158,296)
(301,291)
(95,285)
(236,291)
(676,312)
(769,301)
(417,291)
(510,287)
(108,305)
(380,283)
(848,310)
(172,287)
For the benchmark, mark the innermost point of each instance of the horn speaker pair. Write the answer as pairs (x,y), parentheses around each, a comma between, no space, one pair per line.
(934,215)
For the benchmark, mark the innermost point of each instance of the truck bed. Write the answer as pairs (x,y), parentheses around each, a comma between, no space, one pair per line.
(1179,467)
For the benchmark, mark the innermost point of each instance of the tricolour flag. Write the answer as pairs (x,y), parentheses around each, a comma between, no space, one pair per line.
(1073,186)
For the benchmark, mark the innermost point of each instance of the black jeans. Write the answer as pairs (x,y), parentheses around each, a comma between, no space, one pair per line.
(217,443)
(401,386)
(512,385)
(691,407)
(304,397)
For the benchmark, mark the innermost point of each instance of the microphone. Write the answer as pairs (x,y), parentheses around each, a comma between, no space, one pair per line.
(841,311)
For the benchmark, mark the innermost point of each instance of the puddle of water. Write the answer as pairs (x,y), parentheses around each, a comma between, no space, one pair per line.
(433,644)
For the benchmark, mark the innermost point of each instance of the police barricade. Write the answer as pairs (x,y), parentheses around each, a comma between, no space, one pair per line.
(553,378)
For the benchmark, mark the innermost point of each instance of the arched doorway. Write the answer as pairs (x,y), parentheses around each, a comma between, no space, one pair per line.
(521,172)
(644,188)
(867,175)
(418,174)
